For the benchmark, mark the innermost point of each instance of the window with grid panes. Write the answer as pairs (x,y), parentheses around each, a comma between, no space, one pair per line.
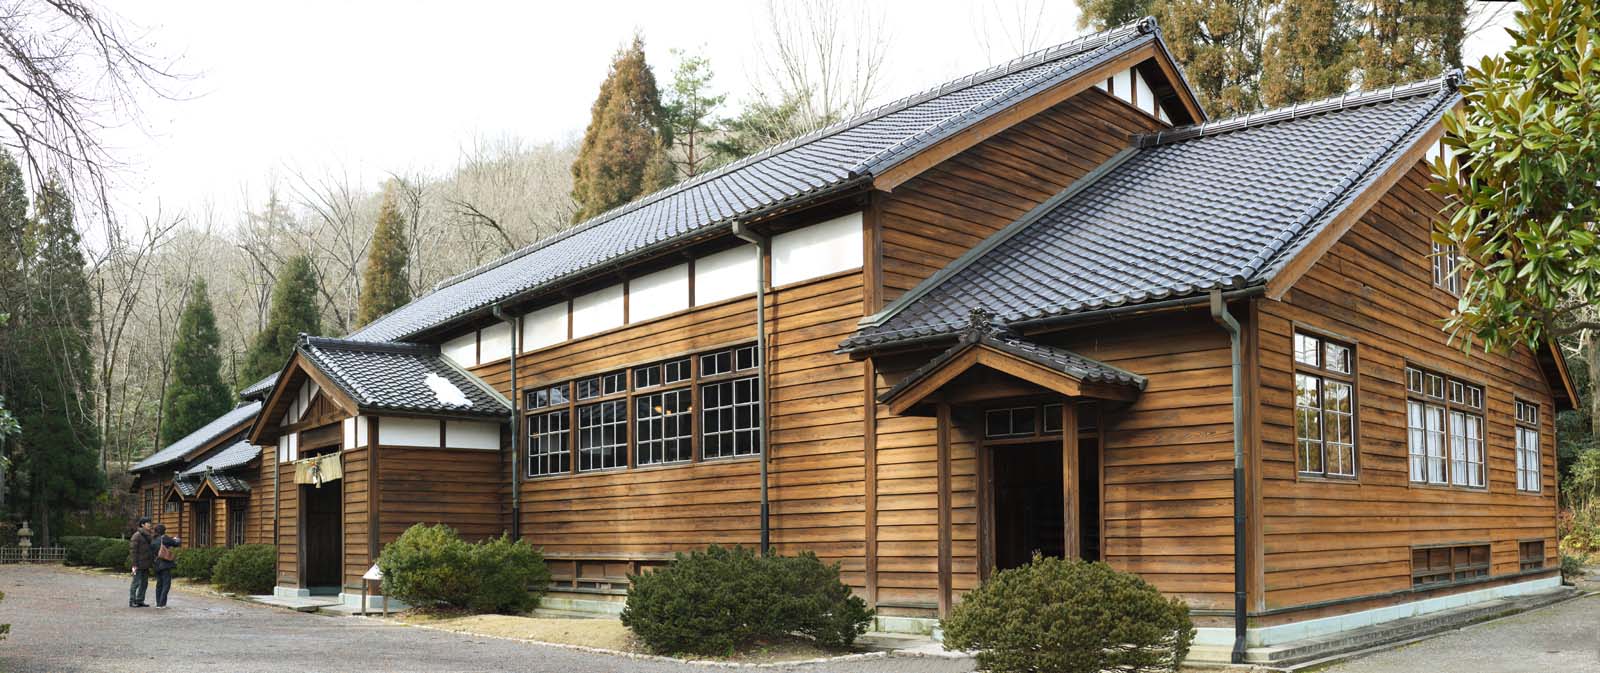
(1446,268)
(1324,418)
(602,435)
(1528,460)
(730,409)
(663,427)
(548,451)
(1444,430)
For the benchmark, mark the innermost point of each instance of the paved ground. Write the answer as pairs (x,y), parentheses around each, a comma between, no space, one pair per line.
(67,622)
(1563,637)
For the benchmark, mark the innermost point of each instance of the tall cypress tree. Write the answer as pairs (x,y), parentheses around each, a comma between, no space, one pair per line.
(293,310)
(61,443)
(197,394)
(383,282)
(1308,53)
(13,224)
(623,154)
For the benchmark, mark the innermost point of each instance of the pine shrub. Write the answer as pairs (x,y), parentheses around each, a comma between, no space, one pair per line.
(112,553)
(432,567)
(247,569)
(722,600)
(1070,616)
(197,563)
(84,550)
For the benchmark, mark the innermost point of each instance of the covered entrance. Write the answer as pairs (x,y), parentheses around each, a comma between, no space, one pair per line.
(322,516)
(1028,486)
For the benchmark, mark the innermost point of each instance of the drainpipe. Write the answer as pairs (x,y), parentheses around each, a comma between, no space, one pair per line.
(516,425)
(743,231)
(1219,313)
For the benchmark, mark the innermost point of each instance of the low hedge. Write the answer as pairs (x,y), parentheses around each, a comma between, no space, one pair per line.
(113,553)
(197,563)
(432,567)
(722,600)
(247,568)
(1061,616)
(84,550)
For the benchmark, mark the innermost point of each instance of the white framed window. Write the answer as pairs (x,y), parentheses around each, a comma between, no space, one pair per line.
(1324,406)
(1529,478)
(1444,430)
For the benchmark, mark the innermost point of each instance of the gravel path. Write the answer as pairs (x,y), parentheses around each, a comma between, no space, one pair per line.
(1564,637)
(66,622)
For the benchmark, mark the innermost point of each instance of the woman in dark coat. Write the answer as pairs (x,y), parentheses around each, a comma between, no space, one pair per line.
(164,550)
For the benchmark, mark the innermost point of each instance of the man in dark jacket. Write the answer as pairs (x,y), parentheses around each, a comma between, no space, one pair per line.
(141,552)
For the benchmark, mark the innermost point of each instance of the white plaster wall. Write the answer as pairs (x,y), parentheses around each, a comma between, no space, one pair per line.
(817,250)
(725,275)
(1122,86)
(1146,97)
(361,431)
(472,435)
(463,350)
(544,327)
(656,294)
(597,311)
(400,431)
(350,433)
(495,342)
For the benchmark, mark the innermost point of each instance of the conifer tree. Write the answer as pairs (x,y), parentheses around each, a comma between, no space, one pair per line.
(293,311)
(196,394)
(688,110)
(1308,53)
(623,153)
(383,282)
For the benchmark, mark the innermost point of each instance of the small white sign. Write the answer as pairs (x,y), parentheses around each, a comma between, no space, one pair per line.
(373,573)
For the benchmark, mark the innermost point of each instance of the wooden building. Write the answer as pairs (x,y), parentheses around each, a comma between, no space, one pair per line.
(206,487)
(1047,307)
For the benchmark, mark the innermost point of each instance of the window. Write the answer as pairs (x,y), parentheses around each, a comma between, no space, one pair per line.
(1446,268)
(728,361)
(547,443)
(1014,422)
(730,420)
(1531,554)
(170,507)
(1528,460)
(553,396)
(600,386)
(1444,430)
(149,503)
(236,523)
(201,514)
(663,427)
(603,435)
(1324,401)
(1443,565)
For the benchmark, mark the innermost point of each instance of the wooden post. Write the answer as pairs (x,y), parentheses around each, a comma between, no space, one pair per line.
(944,508)
(869,459)
(1069,478)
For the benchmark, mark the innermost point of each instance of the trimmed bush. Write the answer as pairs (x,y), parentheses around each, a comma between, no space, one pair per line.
(113,554)
(197,563)
(722,600)
(432,567)
(1069,616)
(1571,568)
(247,569)
(84,550)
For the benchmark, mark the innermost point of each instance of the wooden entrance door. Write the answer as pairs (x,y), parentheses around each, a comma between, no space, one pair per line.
(321,518)
(1028,496)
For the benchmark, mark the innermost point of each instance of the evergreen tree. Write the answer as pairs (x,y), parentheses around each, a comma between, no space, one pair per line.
(1219,43)
(760,125)
(1407,40)
(196,394)
(54,369)
(383,282)
(293,311)
(688,110)
(623,153)
(1308,53)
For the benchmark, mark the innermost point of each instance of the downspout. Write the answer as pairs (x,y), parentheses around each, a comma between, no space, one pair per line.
(1219,313)
(743,231)
(516,425)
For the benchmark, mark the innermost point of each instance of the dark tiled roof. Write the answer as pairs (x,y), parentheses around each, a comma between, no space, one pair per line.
(187,486)
(391,376)
(978,331)
(194,440)
(227,483)
(239,453)
(1221,205)
(260,389)
(830,160)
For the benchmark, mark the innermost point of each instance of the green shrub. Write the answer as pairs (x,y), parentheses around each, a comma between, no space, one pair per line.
(1061,616)
(84,550)
(112,553)
(721,600)
(247,569)
(1571,568)
(197,563)
(432,567)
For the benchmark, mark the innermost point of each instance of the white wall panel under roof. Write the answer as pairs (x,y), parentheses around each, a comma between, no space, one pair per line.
(544,327)
(472,435)
(402,431)
(725,275)
(463,350)
(656,294)
(494,343)
(361,431)
(817,250)
(1122,85)
(597,311)
(350,433)
(1145,97)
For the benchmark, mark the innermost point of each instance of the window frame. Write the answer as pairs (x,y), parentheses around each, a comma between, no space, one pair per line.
(1450,408)
(1527,426)
(1445,267)
(1458,573)
(1527,563)
(1323,374)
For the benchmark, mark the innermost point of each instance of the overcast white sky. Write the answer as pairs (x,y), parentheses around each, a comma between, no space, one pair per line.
(369,87)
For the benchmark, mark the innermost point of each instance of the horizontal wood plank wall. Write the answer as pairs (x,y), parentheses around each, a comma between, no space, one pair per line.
(354,483)
(456,487)
(815,471)
(1327,541)
(219,521)
(935,217)
(261,500)
(288,527)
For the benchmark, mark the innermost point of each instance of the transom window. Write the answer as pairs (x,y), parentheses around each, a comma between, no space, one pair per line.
(1528,460)
(1444,429)
(1446,268)
(1444,565)
(1325,402)
(1022,422)
(647,415)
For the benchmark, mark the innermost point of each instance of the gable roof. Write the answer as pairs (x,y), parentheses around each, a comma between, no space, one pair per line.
(1221,205)
(392,376)
(827,162)
(237,454)
(217,428)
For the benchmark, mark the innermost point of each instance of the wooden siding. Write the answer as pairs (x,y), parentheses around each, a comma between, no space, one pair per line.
(935,217)
(354,512)
(288,527)
(1338,540)
(262,501)
(458,487)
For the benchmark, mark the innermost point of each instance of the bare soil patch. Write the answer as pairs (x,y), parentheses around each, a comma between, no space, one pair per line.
(604,634)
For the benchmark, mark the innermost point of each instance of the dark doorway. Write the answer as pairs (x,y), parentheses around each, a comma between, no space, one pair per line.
(200,519)
(1088,497)
(1028,503)
(322,518)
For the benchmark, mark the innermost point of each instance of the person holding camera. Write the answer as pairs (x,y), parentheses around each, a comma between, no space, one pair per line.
(166,559)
